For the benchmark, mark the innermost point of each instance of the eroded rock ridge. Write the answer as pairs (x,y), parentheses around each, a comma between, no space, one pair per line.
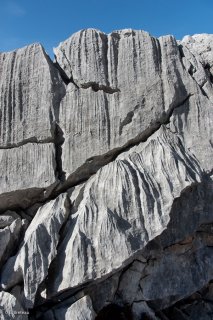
(107,178)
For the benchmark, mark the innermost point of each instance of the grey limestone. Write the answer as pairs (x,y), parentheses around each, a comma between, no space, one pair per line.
(106,182)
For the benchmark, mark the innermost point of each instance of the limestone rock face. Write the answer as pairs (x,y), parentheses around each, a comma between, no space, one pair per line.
(7,218)
(82,309)
(30,90)
(38,249)
(10,308)
(8,239)
(18,167)
(119,101)
(137,209)
(201,44)
(106,194)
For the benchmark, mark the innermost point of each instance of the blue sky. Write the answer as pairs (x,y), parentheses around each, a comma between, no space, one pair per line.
(50,21)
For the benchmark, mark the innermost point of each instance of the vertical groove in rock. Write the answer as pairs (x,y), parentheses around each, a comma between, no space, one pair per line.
(59,140)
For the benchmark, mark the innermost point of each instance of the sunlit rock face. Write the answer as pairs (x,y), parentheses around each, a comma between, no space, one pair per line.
(106,178)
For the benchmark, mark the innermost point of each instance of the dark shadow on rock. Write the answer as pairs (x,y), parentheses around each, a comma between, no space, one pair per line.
(115,312)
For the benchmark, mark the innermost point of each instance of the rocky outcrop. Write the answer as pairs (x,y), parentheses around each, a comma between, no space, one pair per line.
(11,308)
(31,266)
(106,169)
(31,89)
(124,220)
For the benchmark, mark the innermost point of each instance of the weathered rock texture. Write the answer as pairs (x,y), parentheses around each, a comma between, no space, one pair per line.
(106,175)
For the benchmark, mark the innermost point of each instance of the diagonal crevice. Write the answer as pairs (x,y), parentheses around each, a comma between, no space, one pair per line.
(130,115)
(192,70)
(208,67)
(62,72)
(27,141)
(91,84)
(93,164)
(85,171)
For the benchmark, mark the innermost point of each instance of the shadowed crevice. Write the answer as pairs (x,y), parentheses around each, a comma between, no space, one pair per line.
(98,87)
(59,140)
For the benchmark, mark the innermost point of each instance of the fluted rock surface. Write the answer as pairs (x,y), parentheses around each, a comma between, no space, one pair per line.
(11,308)
(106,196)
(30,91)
(126,204)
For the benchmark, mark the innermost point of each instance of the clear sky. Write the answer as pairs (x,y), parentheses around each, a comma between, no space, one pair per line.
(50,21)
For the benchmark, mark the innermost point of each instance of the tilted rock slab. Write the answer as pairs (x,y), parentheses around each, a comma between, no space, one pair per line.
(9,237)
(38,250)
(124,206)
(80,310)
(106,176)
(11,308)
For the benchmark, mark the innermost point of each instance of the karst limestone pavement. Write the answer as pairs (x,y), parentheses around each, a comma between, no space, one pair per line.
(106,178)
